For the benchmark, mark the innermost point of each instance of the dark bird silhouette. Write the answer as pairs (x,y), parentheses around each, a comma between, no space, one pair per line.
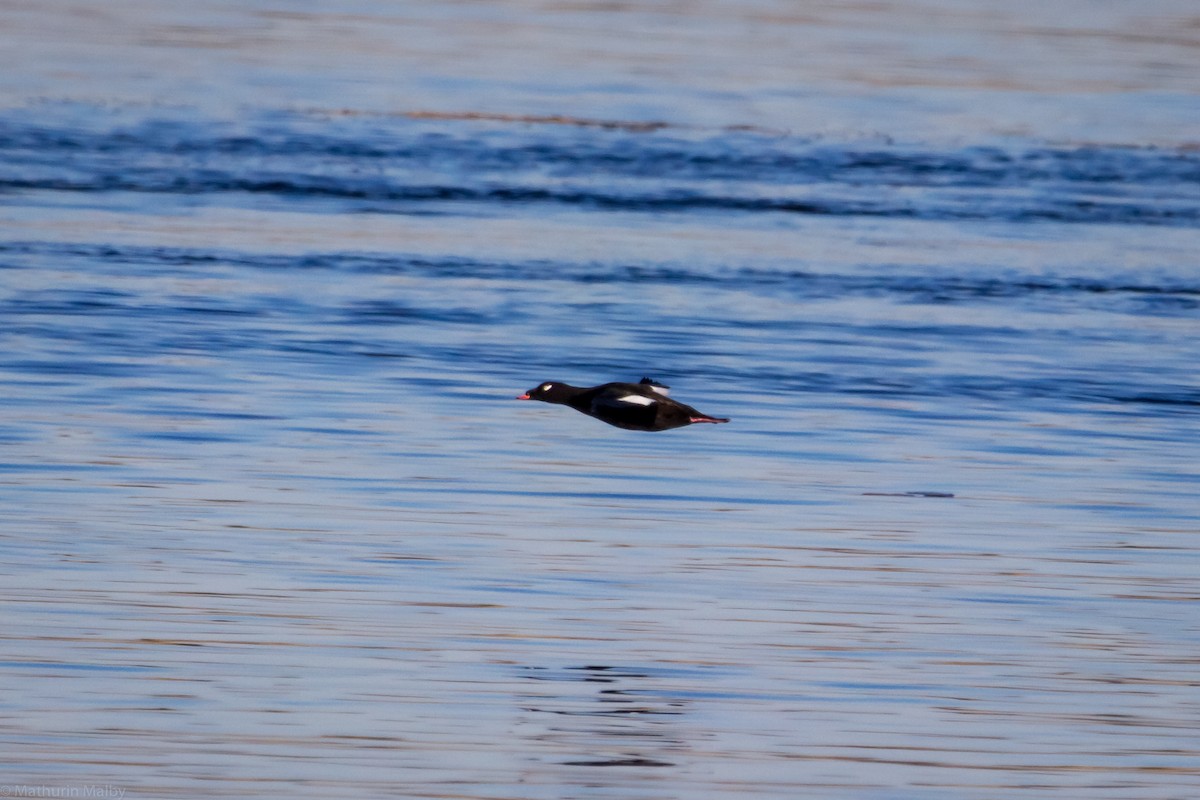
(634,406)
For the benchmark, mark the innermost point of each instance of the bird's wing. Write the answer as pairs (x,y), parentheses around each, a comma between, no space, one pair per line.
(623,402)
(650,383)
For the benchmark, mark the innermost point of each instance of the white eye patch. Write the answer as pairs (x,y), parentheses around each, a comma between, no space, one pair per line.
(637,400)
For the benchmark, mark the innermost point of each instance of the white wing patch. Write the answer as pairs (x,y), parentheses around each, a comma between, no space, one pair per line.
(659,389)
(637,400)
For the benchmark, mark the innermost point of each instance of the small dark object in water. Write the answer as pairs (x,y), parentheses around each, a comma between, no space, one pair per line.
(632,761)
(634,406)
(907,494)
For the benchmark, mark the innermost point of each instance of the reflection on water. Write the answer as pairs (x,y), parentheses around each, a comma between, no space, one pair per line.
(272,524)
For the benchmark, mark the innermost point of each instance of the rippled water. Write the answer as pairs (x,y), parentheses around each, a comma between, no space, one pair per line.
(272,524)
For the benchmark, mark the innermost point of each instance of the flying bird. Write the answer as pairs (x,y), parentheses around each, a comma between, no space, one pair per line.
(641,406)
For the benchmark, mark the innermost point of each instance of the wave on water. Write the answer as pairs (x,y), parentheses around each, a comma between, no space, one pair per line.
(422,161)
(357,326)
(1168,294)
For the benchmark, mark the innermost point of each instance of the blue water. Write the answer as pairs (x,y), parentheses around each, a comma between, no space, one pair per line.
(272,523)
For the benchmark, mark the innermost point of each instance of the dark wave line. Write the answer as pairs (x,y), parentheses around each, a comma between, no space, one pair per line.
(924,287)
(728,156)
(396,164)
(1050,209)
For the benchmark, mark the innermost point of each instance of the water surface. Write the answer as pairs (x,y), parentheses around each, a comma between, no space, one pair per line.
(272,524)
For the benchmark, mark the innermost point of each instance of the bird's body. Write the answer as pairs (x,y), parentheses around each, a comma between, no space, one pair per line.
(634,406)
